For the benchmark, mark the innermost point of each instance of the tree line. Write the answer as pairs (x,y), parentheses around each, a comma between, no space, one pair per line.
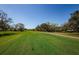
(71,26)
(5,23)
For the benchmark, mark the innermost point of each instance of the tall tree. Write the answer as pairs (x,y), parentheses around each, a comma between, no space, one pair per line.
(4,21)
(73,23)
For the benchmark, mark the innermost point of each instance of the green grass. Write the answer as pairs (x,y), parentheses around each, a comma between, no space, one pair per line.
(37,43)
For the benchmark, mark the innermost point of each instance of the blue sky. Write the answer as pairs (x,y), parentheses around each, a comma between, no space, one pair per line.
(32,14)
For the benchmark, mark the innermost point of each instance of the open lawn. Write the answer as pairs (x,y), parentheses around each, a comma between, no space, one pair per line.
(37,43)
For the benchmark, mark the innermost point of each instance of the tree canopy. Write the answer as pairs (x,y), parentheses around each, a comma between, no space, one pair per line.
(5,22)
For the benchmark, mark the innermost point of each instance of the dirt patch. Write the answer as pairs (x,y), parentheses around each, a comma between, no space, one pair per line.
(60,34)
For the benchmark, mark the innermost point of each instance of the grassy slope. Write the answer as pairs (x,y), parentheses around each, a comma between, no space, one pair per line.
(38,43)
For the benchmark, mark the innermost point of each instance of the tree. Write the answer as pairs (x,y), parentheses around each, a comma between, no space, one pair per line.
(19,27)
(4,21)
(73,23)
(46,27)
(38,28)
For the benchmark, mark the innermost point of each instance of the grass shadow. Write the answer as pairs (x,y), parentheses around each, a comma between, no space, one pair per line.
(7,34)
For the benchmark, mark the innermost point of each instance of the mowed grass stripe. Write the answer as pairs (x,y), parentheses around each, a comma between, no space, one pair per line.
(37,43)
(6,42)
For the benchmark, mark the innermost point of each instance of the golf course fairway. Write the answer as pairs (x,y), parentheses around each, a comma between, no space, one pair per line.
(37,43)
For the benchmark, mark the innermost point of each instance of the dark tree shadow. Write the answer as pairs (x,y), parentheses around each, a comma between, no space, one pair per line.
(7,34)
